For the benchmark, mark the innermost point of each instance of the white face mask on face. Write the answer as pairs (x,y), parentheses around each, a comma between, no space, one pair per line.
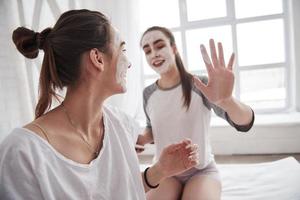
(122,63)
(122,66)
(159,55)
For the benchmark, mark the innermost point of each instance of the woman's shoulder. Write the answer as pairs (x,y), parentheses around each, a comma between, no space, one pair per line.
(20,139)
(113,113)
(150,88)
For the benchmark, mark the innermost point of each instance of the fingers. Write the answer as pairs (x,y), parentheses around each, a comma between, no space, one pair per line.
(193,159)
(206,59)
(231,61)
(192,155)
(213,53)
(217,60)
(221,54)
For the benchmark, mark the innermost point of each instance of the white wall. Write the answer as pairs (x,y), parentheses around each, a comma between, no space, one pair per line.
(295,33)
(270,134)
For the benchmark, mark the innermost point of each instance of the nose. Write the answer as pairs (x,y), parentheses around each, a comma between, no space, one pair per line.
(155,54)
(129,65)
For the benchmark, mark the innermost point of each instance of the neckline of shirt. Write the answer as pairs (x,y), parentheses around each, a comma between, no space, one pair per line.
(68,160)
(167,89)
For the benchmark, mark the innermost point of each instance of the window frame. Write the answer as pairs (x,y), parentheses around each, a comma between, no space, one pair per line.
(231,21)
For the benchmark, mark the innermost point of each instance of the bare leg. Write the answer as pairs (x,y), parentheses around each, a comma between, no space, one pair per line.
(202,188)
(169,189)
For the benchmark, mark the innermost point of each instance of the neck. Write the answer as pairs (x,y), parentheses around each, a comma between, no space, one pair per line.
(85,109)
(170,78)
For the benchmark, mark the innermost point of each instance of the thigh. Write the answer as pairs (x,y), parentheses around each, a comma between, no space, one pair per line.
(202,187)
(168,189)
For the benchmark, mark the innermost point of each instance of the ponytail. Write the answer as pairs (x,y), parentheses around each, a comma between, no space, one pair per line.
(186,81)
(75,32)
(49,82)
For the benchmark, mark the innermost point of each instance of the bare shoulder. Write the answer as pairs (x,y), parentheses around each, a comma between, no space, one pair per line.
(36,127)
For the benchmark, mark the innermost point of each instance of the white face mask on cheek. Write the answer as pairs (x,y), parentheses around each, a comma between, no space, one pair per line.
(122,66)
(122,62)
(168,60)
(164,55)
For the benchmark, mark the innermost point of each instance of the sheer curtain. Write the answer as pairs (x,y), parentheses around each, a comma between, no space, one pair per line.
(124,16)
(19,76)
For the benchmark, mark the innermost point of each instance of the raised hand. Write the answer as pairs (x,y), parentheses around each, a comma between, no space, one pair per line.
(177,158)
(220,77)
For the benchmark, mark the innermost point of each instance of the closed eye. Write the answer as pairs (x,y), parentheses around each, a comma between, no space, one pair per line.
(147,51)
(160,45)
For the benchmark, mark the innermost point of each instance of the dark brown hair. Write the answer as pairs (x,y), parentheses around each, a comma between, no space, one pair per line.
(186,78)
(75,32)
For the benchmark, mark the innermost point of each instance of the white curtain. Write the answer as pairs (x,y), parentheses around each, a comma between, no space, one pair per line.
(124,16)
(19,76)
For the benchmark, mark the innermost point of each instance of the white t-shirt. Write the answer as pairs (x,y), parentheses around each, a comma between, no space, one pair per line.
(170,122)
(31,169)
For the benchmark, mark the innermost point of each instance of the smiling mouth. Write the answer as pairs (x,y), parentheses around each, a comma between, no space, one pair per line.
(158,63)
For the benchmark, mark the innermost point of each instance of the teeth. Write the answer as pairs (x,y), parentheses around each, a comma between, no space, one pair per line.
(158,62)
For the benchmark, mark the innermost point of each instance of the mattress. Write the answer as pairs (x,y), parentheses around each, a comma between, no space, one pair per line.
(277,180)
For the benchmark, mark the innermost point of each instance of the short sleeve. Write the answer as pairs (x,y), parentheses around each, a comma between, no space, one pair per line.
(17,178)
(148,91)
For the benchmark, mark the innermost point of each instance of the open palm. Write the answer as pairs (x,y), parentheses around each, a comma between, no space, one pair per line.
(178,157)
(220,77)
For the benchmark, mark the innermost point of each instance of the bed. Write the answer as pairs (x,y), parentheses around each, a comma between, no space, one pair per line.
(277,180)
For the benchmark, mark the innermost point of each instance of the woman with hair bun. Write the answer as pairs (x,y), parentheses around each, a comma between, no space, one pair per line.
(81,149)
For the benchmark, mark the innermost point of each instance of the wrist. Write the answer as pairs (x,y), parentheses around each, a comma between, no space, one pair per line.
(157,173)
(226,103)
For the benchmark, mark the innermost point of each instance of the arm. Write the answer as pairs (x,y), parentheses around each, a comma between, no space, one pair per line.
(239,113)
(146,137)
(174,159)
(219,87)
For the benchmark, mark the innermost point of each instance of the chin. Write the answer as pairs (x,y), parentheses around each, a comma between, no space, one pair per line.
(121,89)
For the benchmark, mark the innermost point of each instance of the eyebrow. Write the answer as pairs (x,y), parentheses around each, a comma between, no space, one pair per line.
(155,42)
(122,43)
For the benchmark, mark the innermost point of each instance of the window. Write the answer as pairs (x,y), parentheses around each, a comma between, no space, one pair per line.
(254,29)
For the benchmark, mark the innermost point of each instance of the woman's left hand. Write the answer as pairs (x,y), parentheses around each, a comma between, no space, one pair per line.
(220,77)
(177,158)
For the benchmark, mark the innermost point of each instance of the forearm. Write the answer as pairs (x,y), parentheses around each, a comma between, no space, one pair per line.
(239,113)
(146,137)
(154,176)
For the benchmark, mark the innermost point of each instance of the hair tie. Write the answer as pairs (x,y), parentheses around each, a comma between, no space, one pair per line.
(41,38)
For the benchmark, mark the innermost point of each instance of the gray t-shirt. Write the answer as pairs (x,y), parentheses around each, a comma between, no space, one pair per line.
(171,122)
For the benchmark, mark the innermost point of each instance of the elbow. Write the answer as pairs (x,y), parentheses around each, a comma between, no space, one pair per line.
(246,128)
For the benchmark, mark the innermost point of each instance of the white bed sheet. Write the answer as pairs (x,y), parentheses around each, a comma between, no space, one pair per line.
(277,180)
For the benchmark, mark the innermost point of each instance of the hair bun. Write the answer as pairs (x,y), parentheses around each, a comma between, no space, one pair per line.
(29,42)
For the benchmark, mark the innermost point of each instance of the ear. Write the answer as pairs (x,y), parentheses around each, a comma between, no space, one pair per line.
(174,47)
(97,58)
